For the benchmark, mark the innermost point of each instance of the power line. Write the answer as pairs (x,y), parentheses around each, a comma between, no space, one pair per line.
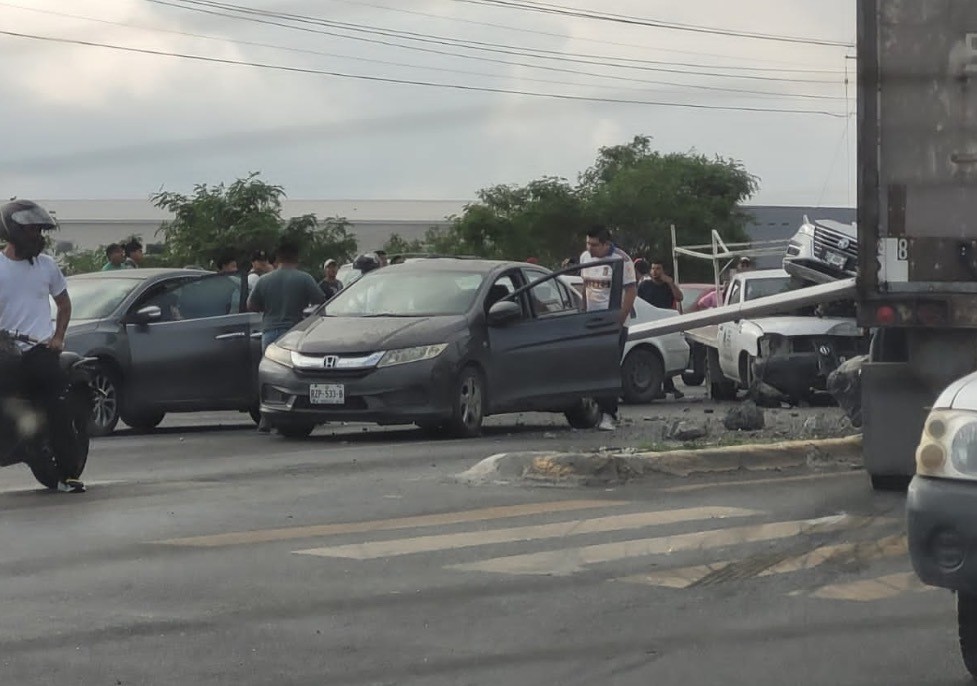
(360,3)
(429,84)
(434,68)
(548,8)
(261,17)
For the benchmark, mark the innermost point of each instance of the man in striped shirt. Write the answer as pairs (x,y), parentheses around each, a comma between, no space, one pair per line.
(597,296)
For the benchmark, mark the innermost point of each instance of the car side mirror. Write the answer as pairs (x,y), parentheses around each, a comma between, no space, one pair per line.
(145,315)
(503,312)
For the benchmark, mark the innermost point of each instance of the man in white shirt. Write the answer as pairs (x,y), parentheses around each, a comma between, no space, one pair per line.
(28,279)
(597,296)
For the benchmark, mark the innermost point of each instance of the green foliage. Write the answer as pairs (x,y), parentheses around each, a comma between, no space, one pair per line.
(81,261)
(319,241)
(637,192)
(398,245)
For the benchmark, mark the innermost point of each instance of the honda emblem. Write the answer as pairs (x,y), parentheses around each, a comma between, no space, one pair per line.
(330,361)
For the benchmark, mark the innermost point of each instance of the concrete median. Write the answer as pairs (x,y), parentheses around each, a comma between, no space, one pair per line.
(603,468)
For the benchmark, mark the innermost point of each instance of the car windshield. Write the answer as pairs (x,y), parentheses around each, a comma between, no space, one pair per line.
(395,293)
(96,298)
(690,294)
(761,288)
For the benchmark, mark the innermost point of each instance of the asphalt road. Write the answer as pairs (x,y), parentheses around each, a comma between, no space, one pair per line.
(208,554)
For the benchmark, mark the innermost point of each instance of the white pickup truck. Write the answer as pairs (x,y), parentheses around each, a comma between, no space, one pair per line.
(791,355)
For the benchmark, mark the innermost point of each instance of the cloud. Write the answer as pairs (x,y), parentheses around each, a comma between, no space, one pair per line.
(97,123)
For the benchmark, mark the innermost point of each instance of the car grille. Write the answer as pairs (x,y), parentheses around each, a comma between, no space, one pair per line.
(338,374)
(352,403)
(827,239)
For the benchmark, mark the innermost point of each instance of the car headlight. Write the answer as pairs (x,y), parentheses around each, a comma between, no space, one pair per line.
(948,446)
(806,230)
(276,353)
(405,355)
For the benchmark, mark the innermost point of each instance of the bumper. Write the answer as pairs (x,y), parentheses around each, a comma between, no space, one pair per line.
(942,528)
(414,392)
(814,270)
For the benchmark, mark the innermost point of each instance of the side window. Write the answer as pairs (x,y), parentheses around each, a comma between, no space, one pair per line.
(549,297)
(215,295)
(502,287)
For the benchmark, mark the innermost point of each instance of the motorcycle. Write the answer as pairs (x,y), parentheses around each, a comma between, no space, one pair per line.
(22,439)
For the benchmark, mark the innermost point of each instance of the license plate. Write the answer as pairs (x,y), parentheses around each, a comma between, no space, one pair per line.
(834,259)
(327,394)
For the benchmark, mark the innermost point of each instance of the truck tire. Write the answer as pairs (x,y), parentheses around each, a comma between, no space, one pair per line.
(693,378)
(721,389)
(696,372)
(967,629)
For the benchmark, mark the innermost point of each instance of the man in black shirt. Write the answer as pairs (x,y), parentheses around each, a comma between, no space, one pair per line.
(657,288)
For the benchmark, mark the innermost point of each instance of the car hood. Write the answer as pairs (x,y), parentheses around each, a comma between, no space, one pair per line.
(960,395)
(808,326)
(323,335)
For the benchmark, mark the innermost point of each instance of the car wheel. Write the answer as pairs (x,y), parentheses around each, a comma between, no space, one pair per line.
(584,415)
(105,404)
(469,404)
(642,374)
(143,421)
(294,430)
(45,470)
(967,628)
(693,378)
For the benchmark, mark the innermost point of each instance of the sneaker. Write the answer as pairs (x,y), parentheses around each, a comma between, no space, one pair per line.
(71,486)
(606,423)
(678,395)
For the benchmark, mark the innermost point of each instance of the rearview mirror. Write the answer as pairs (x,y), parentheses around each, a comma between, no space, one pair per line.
(503,312)
(145,315)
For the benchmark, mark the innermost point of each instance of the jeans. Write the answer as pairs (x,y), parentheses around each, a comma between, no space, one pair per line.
(45,384)
(269,336)
(608,404)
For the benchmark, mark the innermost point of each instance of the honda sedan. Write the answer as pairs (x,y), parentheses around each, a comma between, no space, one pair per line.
(443,343)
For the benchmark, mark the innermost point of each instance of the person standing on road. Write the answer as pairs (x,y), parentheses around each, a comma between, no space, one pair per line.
(597,296)
(281,296)
(260,265)
(134,254)
(28,281)
(115,256)
(659,290)
(330,285)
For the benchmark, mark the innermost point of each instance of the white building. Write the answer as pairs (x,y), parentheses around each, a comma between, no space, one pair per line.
(88,224)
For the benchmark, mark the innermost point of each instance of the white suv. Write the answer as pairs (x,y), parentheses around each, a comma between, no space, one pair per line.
(823,250)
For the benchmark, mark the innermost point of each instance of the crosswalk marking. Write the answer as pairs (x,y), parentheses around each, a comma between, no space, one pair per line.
(406,546)
(867,590)
(689,576)
(465,516)
(573,560)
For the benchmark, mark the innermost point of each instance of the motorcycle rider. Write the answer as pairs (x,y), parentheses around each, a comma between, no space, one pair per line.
(27,279)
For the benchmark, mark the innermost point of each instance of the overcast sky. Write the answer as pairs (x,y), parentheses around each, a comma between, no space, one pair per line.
(82,121)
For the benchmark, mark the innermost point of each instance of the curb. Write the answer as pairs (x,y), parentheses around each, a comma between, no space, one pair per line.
(610,468)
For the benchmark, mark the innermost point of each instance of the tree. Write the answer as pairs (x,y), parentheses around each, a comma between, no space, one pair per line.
(398,245)
(317,242)
(243,216)
(636,191)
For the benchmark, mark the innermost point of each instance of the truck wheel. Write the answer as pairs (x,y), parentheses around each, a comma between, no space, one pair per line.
(724,389)
(967,628)
(693,378)
(696,373)
(642,374)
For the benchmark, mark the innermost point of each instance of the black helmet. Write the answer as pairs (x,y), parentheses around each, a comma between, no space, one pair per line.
(16,218)
(366,262)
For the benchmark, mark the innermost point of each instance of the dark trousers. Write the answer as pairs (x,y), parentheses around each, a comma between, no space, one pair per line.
(608,404)
(45,384)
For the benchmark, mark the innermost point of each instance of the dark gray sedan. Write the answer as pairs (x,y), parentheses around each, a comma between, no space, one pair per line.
(442,343)
(167,340)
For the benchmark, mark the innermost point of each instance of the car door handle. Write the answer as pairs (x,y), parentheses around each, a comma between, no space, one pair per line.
(229,336)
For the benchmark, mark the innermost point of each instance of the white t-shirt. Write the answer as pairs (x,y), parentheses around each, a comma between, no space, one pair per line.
(597,280)
(253,280)
(25,293)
